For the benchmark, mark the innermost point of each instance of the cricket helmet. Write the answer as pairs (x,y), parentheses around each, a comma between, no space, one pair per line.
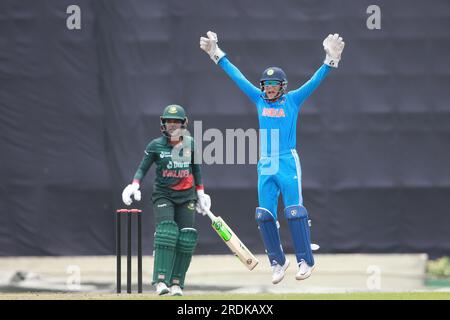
(274,76)
(176,112)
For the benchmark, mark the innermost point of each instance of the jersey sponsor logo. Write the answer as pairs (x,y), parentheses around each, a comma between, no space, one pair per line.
(175,173)
(162,205)
(273,112)
(165,154)
(177,165)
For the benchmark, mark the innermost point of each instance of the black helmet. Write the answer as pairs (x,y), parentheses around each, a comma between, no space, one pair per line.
(274,74)
(176,112)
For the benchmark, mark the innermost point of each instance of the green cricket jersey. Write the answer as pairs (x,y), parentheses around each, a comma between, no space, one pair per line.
(177,176)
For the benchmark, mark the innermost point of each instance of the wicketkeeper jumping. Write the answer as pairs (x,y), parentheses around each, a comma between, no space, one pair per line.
(177,193)
(277,113)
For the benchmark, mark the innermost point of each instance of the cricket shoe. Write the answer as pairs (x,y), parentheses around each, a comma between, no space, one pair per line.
(278,271)
(304,270)
(176,290)
(162,289)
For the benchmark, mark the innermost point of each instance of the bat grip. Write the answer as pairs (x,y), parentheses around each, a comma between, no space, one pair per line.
(210,214)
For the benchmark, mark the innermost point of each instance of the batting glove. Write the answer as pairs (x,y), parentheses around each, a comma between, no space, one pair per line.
(203,202)
(209,45)
(131,190)
(333,46)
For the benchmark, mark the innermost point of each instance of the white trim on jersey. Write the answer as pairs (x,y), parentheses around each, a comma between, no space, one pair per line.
(299,175)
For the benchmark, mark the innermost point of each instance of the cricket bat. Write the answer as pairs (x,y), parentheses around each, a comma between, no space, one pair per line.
(232,241)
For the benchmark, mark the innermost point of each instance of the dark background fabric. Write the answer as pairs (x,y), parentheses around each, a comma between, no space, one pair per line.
(78,107)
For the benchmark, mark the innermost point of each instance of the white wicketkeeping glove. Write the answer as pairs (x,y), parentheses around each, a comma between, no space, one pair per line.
(131,190)
(333,46)
(209,45)
(203,202)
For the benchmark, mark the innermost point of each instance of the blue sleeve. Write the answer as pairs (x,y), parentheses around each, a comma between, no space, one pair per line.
(301,94)
(250,90)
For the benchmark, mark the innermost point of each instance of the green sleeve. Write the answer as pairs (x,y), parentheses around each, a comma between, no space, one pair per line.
(146,163)
(196,170)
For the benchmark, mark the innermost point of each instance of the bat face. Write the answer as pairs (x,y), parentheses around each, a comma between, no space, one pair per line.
(243,254)
(235,245)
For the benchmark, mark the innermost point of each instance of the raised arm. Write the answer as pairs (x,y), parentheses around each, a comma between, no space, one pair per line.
(241,81)
(333,46)
(209,45)
(301,94)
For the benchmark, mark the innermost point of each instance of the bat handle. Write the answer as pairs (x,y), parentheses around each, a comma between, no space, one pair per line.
(210,214)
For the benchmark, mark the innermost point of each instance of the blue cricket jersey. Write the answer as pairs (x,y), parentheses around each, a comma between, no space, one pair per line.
(281,114)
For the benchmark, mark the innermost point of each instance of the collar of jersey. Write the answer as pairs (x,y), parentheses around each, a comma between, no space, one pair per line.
(166,140)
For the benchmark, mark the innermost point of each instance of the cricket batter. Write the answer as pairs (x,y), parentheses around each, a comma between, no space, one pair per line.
(277,112)
(177,193)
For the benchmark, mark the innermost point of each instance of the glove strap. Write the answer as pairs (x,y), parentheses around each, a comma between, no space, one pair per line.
(217,55)
(331,62)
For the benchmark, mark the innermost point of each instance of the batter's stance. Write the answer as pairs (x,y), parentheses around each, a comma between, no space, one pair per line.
(277,113)
(177,193)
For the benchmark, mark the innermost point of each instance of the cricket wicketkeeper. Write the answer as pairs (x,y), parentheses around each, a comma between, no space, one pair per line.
(177,193)
(278,111)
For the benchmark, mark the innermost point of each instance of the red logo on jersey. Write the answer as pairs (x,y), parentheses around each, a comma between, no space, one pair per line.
(185,183)
(273,112)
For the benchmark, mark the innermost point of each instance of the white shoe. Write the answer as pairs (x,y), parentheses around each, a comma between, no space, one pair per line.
(304,270)
(161,288)
(278,271)
(176,290)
